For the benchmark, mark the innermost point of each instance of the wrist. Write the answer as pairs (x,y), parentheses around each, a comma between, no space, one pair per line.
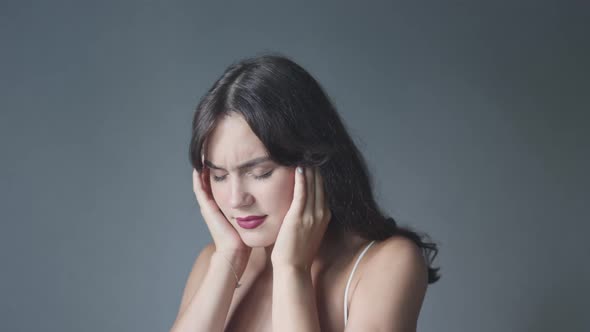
(290,269)
(235,260)
(288,276)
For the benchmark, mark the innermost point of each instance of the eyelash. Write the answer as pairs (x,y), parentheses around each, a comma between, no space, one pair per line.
(261,177)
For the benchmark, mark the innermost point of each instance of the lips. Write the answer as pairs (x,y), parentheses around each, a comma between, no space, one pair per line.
(250,222)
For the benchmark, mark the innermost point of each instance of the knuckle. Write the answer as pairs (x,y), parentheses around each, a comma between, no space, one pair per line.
(320,214)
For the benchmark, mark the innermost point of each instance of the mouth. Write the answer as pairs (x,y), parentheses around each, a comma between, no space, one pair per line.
(250,222)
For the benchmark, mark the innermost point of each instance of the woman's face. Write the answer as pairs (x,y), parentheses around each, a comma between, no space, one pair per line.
(263,188)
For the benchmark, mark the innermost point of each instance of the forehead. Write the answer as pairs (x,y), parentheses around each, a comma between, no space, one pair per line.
(233,141)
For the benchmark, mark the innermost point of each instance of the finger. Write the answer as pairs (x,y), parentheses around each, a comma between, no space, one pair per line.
(299,193)
(320,205)
(200,188)
(310,192)
(197,186)
(195,177)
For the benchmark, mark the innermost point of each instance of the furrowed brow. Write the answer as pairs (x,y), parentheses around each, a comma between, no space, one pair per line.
(243,166)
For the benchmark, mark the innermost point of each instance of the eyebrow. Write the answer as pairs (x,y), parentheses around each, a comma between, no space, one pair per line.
(248,164)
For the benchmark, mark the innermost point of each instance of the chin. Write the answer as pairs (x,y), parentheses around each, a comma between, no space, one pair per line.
(258,240)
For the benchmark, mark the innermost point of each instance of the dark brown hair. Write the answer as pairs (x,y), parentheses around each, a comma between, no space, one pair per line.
(298,124)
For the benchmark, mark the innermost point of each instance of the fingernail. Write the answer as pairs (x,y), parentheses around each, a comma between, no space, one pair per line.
(300,169)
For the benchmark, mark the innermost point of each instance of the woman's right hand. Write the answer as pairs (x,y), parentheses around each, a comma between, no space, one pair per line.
(226,238)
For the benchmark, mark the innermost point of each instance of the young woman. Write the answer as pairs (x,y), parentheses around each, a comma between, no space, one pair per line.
(299,243)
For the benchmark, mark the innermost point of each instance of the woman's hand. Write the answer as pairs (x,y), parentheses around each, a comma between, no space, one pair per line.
(226,238)
(305,223)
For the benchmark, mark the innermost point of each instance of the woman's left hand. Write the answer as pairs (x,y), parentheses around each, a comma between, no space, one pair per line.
(305,222)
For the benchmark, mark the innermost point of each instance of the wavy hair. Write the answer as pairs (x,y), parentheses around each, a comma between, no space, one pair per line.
(298,124)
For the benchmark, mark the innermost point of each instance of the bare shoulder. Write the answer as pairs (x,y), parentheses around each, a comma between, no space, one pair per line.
(201,262)
(206,252)
(399,260)
(391,289)
(397,252)
(196,275)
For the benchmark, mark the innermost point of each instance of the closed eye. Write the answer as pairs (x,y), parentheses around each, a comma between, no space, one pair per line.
(264,176)
(260,177)
(218,178)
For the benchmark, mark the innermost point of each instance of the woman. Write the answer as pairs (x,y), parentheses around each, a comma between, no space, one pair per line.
(299,243)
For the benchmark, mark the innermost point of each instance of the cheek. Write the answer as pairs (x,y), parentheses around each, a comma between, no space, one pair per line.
(220,194)
(280,193)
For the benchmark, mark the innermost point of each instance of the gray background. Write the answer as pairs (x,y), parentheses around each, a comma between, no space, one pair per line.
(473,118)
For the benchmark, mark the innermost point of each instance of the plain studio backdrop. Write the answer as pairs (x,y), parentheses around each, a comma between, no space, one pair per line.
(473,118)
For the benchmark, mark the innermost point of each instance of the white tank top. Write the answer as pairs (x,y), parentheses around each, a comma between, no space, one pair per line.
(350,279)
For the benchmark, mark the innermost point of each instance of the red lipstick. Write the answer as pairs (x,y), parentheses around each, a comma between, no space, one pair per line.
(250,222)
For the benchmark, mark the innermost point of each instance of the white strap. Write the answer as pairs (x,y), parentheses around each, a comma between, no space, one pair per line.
(350,279)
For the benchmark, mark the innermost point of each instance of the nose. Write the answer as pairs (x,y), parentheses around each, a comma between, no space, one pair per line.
(239,197)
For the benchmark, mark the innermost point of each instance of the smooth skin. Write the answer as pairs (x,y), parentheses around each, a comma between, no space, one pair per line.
(388,287)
